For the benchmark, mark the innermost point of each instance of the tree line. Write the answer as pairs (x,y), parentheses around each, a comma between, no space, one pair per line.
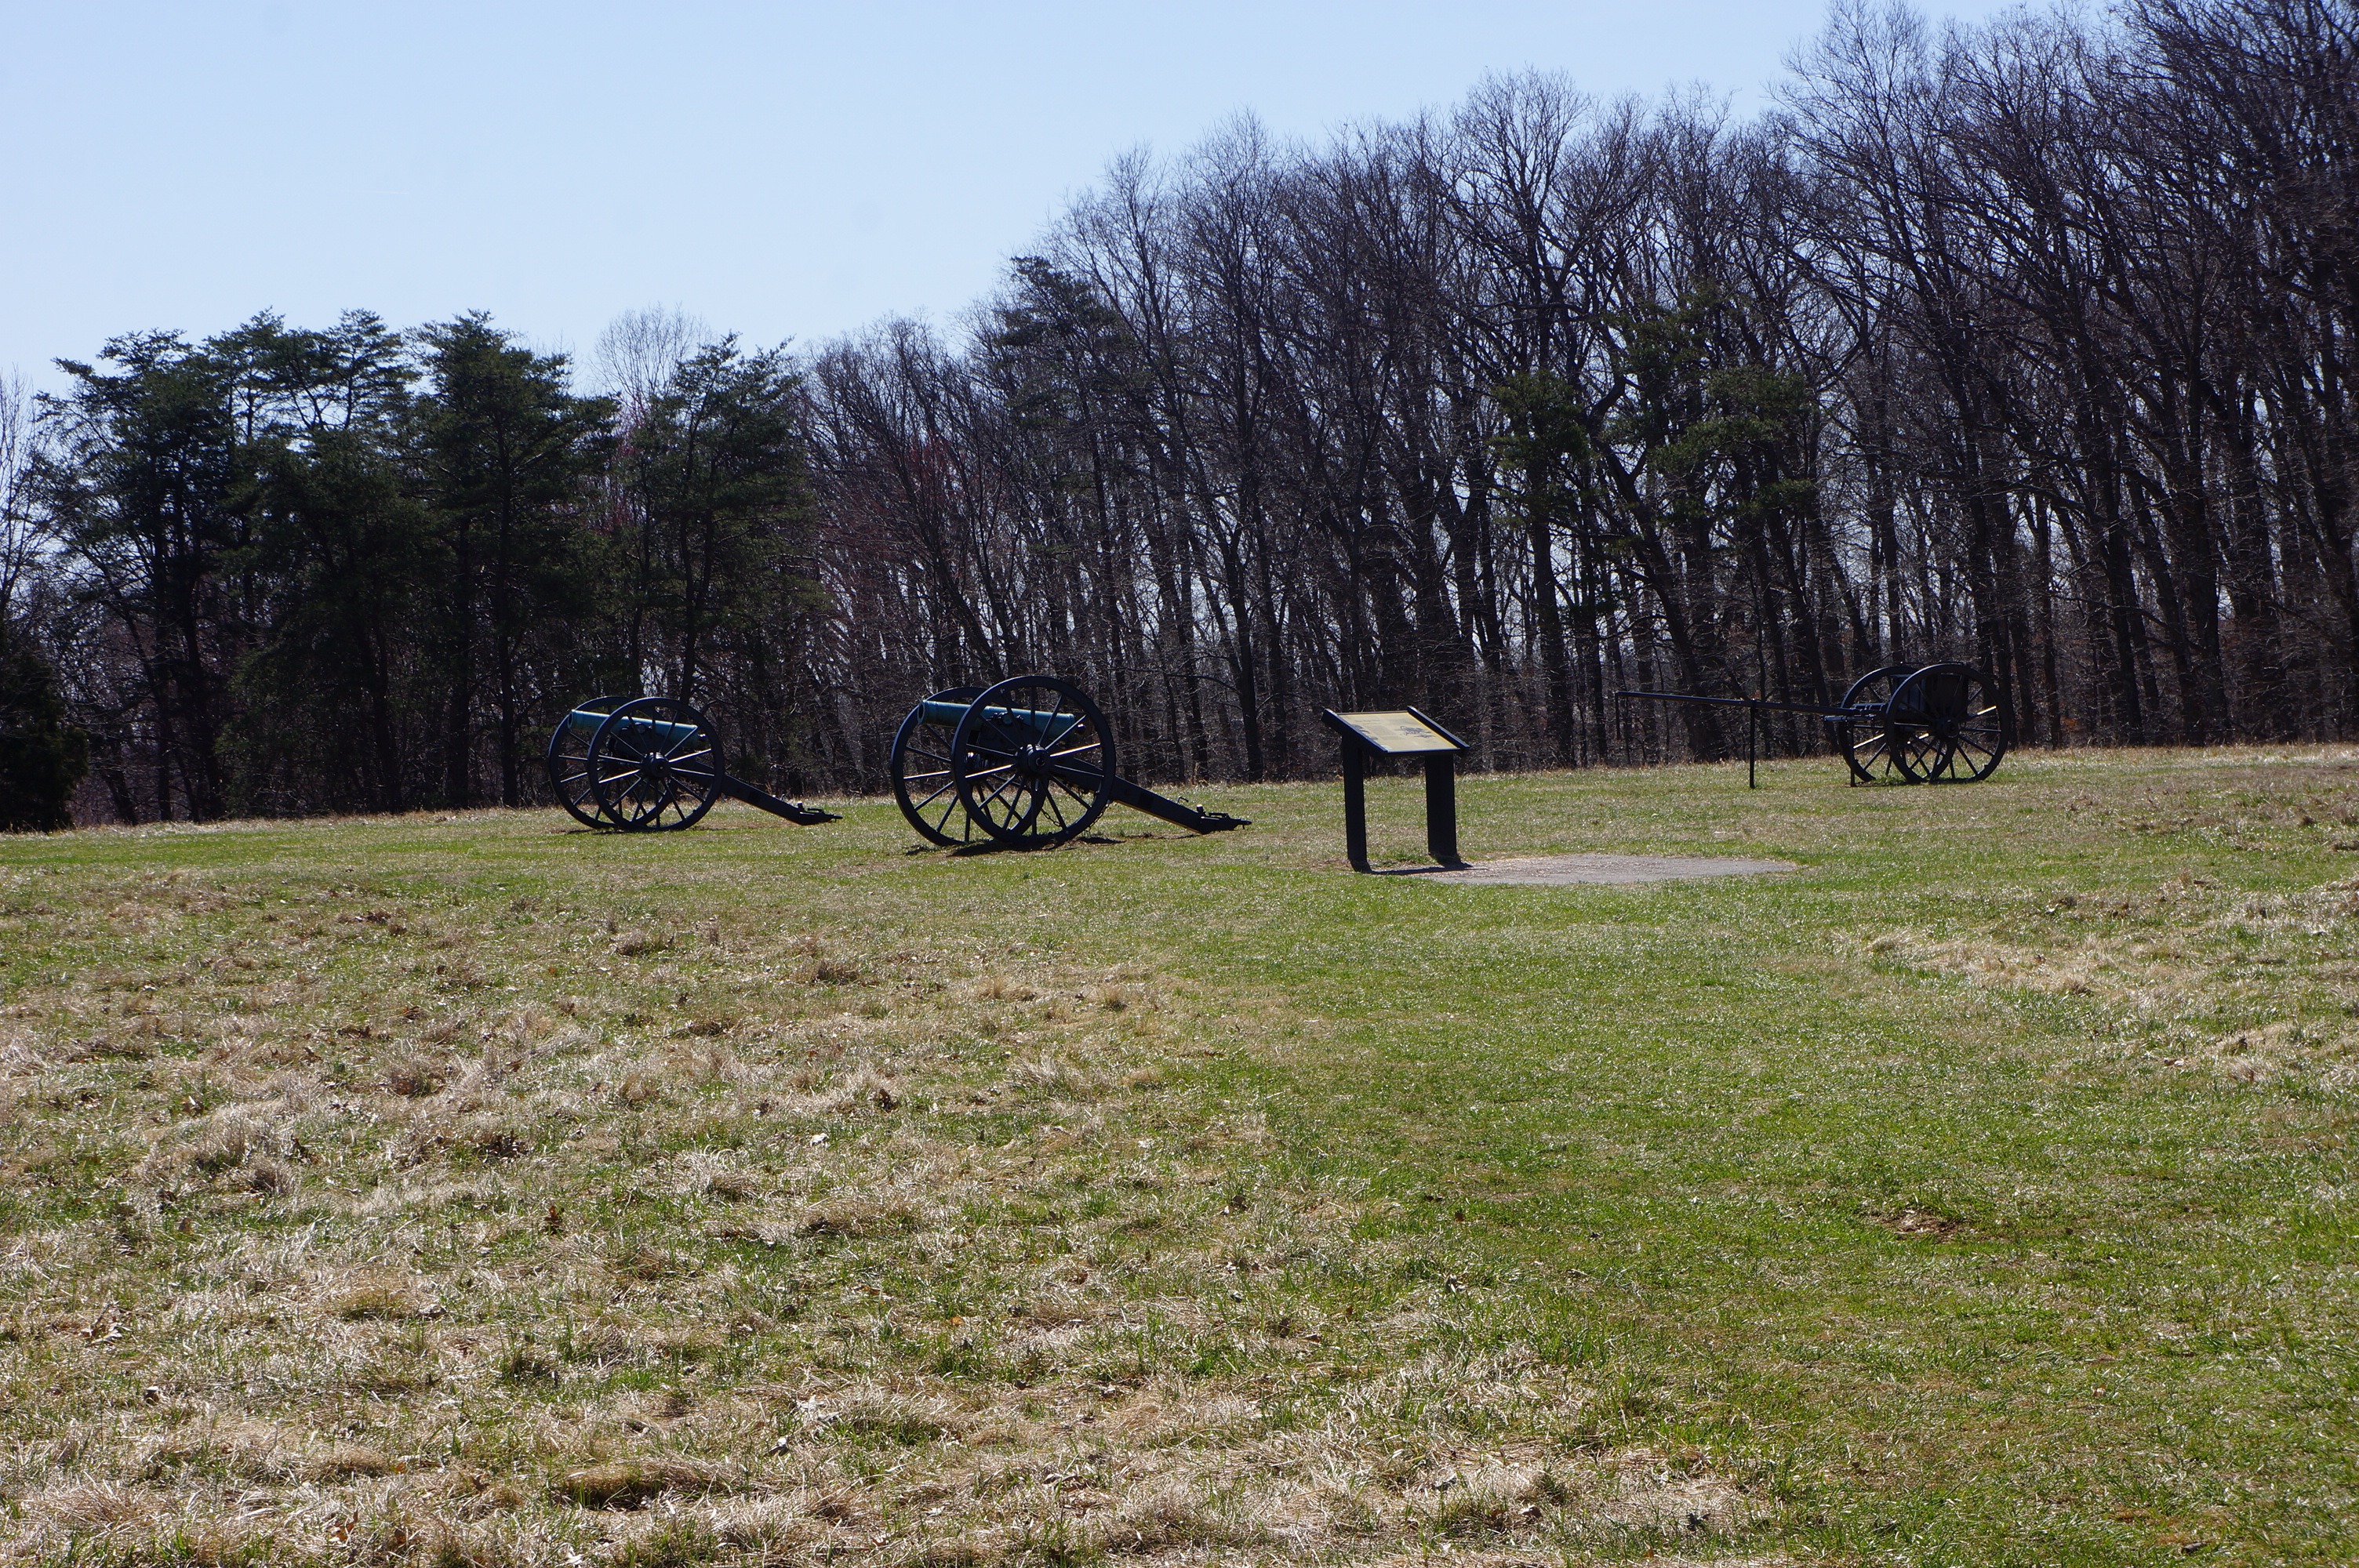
(2029,344)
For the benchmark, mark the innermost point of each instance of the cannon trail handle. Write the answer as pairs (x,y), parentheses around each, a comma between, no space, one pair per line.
(793,811)
(1177,813)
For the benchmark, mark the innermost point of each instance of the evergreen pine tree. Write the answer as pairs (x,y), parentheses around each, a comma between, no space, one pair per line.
(42,757)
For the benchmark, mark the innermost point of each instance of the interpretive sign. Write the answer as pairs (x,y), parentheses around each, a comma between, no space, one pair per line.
(1398,734)
(1403,733)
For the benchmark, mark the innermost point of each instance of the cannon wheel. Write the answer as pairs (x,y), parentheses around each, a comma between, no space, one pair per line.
(1868,748)
(648,780)
(921,773)
(1950,725)
(568,760)
(1036,782)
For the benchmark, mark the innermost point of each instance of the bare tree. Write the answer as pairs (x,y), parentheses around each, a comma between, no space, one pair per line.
(20,539)
(640,350)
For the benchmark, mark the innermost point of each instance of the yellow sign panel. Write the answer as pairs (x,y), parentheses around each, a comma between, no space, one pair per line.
(1397,732)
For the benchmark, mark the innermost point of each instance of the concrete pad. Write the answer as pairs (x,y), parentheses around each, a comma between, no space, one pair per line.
(1564,870)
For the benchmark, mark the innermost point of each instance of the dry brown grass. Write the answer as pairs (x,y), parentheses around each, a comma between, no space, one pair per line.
(2250,987)
(379,1226)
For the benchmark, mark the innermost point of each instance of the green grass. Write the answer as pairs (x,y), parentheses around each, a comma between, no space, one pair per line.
(471,1190)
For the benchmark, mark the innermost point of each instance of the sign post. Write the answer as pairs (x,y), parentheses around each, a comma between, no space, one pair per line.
(1404,733)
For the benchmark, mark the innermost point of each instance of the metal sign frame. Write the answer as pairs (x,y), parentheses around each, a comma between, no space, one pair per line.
(1364,739)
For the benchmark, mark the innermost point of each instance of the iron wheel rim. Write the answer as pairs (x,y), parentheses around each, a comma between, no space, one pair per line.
(923,783)
(1037,781)
(1954,724)
(1868,747)
(655,781)
(568,760)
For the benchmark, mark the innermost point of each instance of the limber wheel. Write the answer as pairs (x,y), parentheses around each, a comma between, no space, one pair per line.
(655,766)
(1033,761)
(921,769)
(568,760)
(1950,725)
(1868,748)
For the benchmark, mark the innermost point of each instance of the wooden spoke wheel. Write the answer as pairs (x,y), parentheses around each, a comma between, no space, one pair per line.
(1950,724)
(1033,761)
(655,766)
(568,760)
(922,783)
(1868,748)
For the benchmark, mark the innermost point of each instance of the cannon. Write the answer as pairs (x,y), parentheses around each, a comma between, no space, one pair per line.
(1938,723)
(1024,764)
(649,764)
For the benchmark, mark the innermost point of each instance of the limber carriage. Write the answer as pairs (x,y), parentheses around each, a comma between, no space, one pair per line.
(649,764)
(1024,764)
(1937,723)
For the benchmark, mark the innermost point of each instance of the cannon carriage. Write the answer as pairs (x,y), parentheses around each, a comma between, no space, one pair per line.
(1024,764)
(649,764)
(1938,723)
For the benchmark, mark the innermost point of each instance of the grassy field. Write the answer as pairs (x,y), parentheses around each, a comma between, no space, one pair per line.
(469,1189)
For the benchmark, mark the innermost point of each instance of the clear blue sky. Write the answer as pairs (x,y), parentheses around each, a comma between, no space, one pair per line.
(783,170)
